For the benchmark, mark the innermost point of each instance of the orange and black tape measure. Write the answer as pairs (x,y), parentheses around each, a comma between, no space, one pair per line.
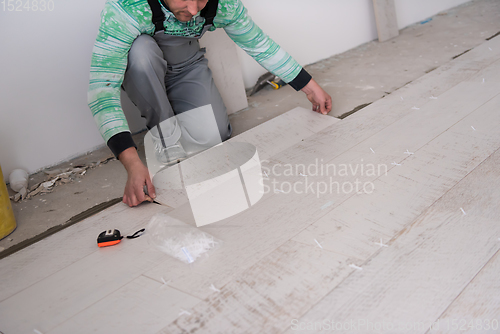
(113,237)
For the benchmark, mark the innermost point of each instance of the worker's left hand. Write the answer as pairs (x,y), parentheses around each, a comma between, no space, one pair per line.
(321,101)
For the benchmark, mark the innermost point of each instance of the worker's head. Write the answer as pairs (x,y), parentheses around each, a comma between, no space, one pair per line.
(184,10)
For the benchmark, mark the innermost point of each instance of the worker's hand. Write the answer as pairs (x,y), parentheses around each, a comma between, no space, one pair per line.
(138,176)
(321,101)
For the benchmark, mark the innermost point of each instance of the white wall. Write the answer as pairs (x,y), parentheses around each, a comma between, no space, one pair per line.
(45,59)
(411,11)
(44,63)
(310,30)
(44,74)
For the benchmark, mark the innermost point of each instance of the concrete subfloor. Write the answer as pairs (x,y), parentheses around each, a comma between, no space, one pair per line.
(354,78)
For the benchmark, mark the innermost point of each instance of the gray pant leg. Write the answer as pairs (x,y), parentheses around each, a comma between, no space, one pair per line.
(161,91)
(144,83)
(194,87)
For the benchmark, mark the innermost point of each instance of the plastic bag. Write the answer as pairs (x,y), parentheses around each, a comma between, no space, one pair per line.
(178,239)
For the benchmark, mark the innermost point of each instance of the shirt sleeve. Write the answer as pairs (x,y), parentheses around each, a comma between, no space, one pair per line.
(233,17)
(118,30)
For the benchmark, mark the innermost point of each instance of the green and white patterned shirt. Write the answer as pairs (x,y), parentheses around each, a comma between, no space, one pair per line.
(122,21)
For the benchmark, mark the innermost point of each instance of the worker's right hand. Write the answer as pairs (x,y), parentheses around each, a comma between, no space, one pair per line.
(138,176)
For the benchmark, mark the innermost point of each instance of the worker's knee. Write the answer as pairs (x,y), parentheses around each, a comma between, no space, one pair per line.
(143,55)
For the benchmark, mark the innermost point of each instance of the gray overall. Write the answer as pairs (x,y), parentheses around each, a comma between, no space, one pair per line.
(167,75)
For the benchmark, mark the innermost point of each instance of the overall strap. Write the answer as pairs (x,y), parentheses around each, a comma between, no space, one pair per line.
(209,12)
(158,15)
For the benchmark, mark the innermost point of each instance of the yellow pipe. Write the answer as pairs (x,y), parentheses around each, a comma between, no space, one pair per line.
(7,220)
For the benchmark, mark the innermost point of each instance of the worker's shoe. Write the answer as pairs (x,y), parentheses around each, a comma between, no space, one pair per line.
(169,155)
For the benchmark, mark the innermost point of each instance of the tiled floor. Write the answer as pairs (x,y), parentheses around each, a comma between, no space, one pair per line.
(355,78)
(397,232)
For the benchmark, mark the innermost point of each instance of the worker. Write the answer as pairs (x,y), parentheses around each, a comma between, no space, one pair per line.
(150,49)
